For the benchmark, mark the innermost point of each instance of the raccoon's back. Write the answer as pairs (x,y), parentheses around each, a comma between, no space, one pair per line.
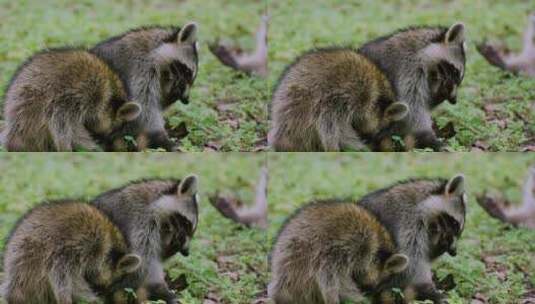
(124,205)
(331,230)
(321,77)
(76,78)
(68,228)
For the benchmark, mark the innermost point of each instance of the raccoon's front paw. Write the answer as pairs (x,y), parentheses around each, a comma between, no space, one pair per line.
(160,292)
(427,140)
(430,293)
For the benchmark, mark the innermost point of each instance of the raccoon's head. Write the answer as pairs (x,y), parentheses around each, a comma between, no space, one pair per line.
(179,215)
(177,62)
(444,65)
(446,212)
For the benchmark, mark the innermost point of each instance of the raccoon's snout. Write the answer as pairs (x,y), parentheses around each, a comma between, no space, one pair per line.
(185,96)
(184,100)
(452,250)
(453,96)
(184,251)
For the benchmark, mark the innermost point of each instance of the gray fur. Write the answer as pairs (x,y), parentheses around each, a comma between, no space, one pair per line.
(142,58)
(407,58)
(408,209)
(144,210)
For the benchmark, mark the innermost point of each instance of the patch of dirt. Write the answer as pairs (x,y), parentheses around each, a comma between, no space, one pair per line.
(480,146)
(213,146)
(212,298)
(493,266)
(227,110)
(480,298)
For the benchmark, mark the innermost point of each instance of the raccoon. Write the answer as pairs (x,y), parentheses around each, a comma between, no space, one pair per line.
(65,252)
(159,218)
(331,251)
(523,62)
(426,218)
(159,66)
(334,99)
(62,100)
(425,66)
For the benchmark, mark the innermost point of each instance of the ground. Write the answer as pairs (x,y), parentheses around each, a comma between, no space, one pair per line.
(227,108)
(495,262)
(227,262)
(495,110)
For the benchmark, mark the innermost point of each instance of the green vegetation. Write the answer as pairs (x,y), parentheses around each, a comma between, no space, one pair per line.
(31,25)
(494,261)
(495,111)
(227,262)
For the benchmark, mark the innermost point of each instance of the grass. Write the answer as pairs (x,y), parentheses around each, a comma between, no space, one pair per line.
(31,25)
(301,25)
(298,178)
(226,261)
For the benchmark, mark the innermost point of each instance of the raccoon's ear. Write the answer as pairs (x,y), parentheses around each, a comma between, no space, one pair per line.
(129,263)
(455,34)
(396,263)
(188,34)
(396,111)
(455,185)
(188,186)
(129,111)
